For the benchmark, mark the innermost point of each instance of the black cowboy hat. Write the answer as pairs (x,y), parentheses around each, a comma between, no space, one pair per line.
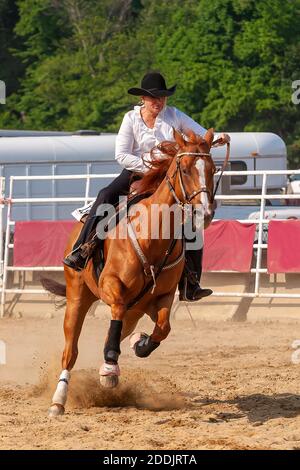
(153,84)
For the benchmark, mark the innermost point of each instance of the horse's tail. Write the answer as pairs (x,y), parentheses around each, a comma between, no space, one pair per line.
(54,287)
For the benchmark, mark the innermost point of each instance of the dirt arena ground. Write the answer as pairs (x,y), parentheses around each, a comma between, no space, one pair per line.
(213,384)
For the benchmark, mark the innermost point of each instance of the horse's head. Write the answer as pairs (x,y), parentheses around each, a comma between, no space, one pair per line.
(193,178)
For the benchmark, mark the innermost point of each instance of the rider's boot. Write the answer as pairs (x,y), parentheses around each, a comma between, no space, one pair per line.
(84,246)
(189,285)
(190,292)
(78,257)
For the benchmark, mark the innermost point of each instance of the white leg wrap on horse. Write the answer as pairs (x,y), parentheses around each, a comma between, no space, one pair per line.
(109,369)
(60,395)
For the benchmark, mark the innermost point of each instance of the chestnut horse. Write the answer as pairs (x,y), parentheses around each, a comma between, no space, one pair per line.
(184,177)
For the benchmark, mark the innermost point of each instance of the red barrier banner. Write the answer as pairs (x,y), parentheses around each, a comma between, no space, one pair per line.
(41,243)
(228,246)
(284,246)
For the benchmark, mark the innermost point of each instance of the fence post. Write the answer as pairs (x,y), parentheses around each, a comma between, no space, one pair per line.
(6,249)
(87,188)
(2,196)
(260,233)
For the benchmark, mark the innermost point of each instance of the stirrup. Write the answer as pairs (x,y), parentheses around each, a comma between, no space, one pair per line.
(75,260)
(88,247)
(74,250)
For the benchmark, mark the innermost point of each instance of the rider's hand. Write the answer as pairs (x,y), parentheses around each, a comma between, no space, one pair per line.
(225,139)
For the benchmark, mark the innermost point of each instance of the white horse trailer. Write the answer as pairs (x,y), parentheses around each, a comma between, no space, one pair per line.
(95,154)
(254,151)
(55,155)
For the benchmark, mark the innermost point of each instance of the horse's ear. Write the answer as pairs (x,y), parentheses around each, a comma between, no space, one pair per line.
(209,136)
(178,138)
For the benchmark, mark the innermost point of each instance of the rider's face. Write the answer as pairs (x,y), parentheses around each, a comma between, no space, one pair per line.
(154,105)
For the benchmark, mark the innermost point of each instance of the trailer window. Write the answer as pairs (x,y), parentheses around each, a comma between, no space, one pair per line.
(238,166)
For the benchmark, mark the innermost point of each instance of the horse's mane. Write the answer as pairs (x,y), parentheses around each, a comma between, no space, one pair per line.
(161,159)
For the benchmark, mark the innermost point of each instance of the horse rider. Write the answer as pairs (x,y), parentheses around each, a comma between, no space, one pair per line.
(144,127)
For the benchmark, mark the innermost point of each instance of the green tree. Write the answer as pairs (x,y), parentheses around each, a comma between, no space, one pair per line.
(233,61)
(11,68)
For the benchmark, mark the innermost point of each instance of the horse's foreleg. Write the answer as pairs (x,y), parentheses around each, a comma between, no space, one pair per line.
(74,317)
(129,323)
(110,371)
(143,344)
(162,326)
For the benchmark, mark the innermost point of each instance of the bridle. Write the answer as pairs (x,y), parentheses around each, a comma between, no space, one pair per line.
(187,198)
(155,271)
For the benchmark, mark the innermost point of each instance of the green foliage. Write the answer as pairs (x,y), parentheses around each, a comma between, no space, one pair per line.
(13,69)
(72,61)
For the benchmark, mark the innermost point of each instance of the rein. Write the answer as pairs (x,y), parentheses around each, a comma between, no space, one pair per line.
(223,166)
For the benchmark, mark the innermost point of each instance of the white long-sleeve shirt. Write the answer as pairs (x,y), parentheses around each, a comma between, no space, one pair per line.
(135,139)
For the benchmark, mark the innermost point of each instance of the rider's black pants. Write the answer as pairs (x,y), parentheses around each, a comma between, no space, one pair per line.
(110,195)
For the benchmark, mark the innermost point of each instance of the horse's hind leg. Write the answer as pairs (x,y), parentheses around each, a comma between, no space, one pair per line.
(77,308)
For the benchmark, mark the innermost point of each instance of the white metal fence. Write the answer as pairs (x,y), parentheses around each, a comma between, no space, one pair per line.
(11,201)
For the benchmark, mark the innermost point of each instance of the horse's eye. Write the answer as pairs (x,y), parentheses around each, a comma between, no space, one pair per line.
(185,172)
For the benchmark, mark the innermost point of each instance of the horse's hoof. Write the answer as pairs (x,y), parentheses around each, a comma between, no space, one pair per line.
(109,381)
(142,344)
(56,410)
(135,338)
